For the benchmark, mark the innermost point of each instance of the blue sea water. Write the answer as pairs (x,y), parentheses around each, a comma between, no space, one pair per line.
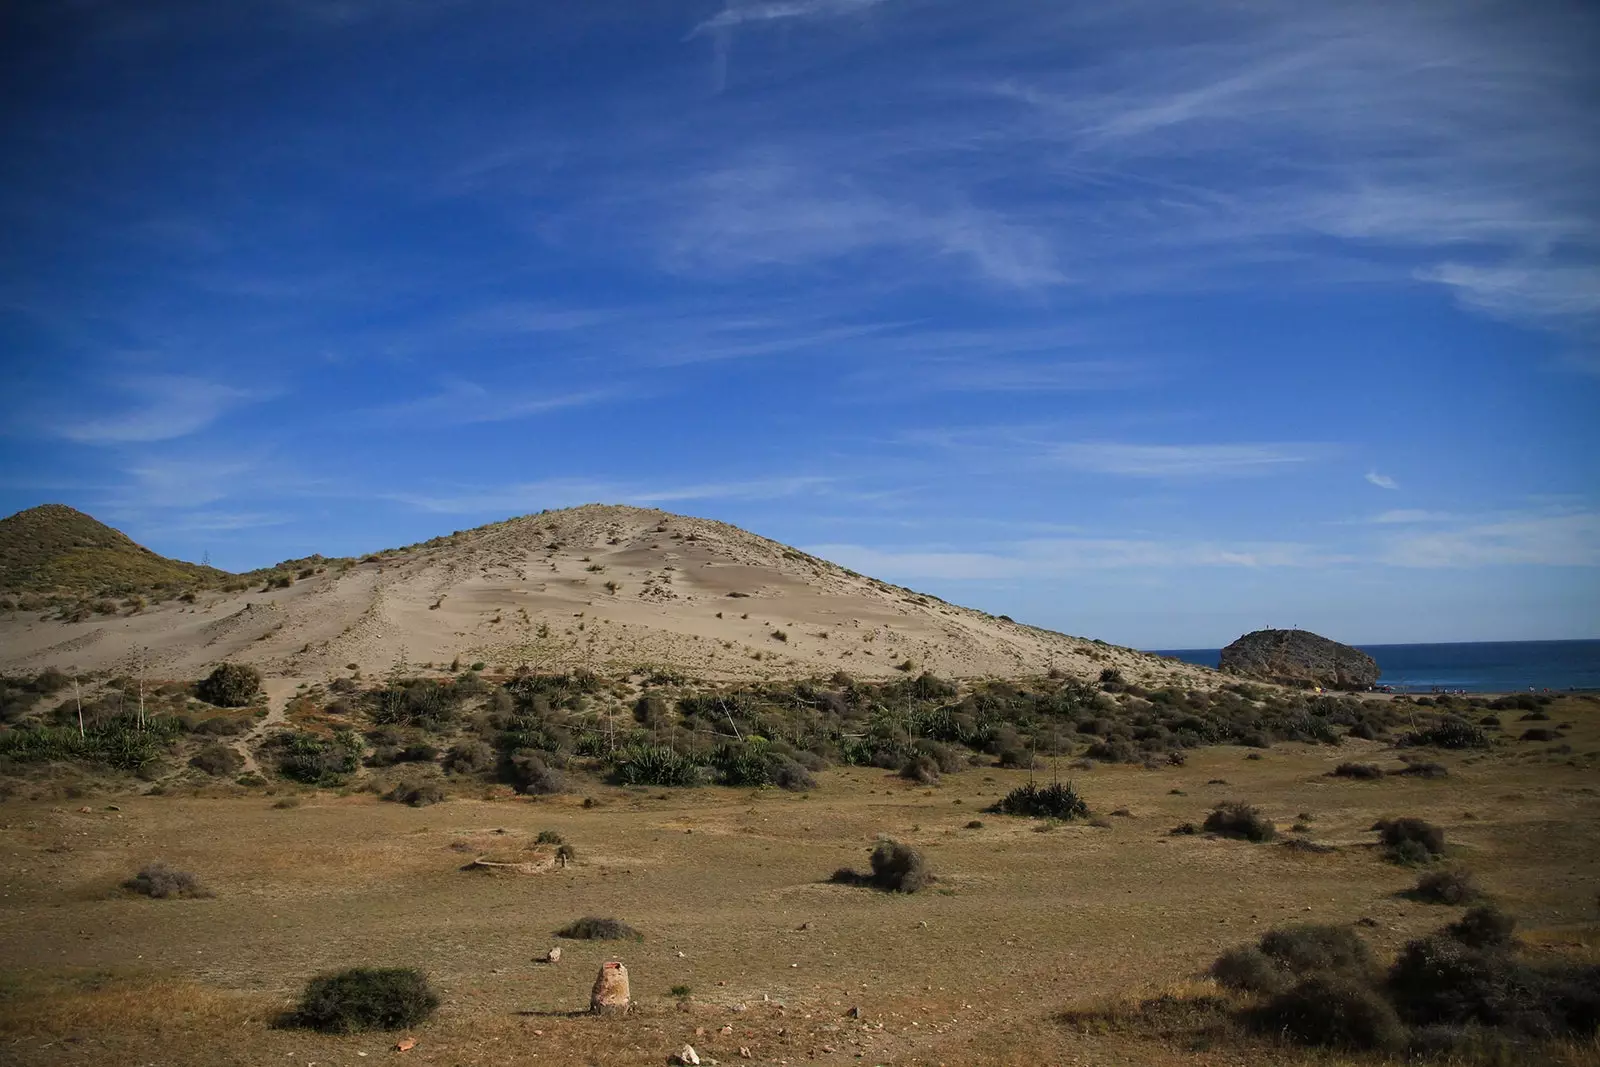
(1476,667)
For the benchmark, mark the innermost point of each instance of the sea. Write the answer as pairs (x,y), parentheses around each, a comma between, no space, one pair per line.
(1470,667)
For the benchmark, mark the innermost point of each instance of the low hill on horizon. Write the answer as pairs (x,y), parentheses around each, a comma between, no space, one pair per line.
(605,587)
(54,547)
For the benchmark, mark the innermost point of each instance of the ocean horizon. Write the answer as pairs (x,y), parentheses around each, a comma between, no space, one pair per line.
(1472,666)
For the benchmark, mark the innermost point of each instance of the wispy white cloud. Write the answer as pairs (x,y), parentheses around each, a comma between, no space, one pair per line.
(185,482)
(1382,481)
(462,402)
(1399,516)
(165,407)
(1180,461)
(1546,540)
(758,11)
(521,497)
(778,212)
(1063,557)
(1543,294)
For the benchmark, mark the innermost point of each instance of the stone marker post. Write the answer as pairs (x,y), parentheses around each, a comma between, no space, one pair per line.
(610,996)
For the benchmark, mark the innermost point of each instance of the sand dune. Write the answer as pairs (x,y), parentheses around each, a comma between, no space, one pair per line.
(605,587)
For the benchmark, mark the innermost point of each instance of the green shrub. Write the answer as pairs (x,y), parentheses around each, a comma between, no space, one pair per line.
(532,776)
(1239,820)
(549,837)
(1409,840)
(1329,1011)
(315,760)
(416,794)
(792,775)
(367,998)
(164,883)
(655,765)
(1449,733)
(593,928)
(217,760)
(1247,968)
(1313,948)
(1058,800)
(231,685)
(1453,887)
(1484,926)
(898,868)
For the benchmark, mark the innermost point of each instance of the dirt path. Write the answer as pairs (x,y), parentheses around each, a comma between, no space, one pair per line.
(279,692)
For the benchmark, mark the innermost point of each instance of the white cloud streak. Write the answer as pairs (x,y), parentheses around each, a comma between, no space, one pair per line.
(1382,481)
(739,14)
(1180,461)
(1570,540)
(168,407)
(523,497)
(462,403)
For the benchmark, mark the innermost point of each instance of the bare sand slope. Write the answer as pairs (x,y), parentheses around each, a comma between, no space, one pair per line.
(605,587)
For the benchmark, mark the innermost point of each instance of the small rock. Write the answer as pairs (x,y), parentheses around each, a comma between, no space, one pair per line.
(805,926)
(554,955)
(688,1055)
(854,1012)
(745,1052)
(681,956)
(727,1028)
(405,1044)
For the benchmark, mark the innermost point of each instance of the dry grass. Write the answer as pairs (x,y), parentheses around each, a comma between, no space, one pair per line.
(728,878)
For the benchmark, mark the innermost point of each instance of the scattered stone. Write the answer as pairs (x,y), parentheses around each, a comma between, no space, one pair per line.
(854,1012)
(687,1055)
(554,955)
(727,1029)
(804,926)
(745,1052)
(405,1044)
(610,995)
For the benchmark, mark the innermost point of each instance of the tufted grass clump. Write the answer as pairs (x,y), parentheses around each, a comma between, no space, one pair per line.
(1058,800)
(1239,820)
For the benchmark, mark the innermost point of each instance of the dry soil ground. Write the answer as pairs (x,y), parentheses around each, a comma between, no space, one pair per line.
(1021,925)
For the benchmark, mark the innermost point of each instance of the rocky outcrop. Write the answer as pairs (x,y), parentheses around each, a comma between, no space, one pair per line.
(1299,658)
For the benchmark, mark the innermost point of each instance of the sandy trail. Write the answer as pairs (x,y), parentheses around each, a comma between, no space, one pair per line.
(279,692)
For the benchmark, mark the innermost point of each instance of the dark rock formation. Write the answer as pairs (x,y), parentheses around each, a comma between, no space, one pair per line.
(1300,658)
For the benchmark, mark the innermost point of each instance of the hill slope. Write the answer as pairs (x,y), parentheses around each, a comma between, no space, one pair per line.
(605,587)
(54,547)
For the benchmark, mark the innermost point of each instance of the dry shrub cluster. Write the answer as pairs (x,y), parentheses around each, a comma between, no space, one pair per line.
(161,882)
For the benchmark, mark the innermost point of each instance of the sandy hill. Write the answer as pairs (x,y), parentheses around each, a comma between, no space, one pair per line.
(605,587)
(54,547)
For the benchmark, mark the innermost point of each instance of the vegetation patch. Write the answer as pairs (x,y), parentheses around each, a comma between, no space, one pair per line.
(1361,771)
(896,868)
(160,882)
(416,794)
(1058,800)
(593,928)
(231,685)
(1239,820)
(367,998)
(1410,841)
(1453,887)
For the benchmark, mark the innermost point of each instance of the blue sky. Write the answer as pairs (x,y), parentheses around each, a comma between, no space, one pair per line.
(1153,321)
